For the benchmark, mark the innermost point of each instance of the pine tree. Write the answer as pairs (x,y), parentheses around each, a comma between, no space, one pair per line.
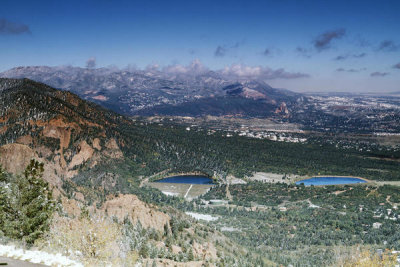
(4,200)
(144,251)
(31,205)
(191,255)
(3,177)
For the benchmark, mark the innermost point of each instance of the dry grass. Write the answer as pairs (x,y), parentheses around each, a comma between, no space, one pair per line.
(93,241)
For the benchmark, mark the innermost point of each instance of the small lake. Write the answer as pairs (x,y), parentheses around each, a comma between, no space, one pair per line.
(330,180)
(187,179)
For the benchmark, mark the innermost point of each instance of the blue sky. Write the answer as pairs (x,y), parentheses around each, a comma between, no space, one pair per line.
(337,45)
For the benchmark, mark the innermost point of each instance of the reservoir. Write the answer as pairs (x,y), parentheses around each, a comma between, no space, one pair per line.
(330,180)
(187,179)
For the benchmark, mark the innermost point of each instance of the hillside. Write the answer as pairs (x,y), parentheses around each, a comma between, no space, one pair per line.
(75,138)
(96,160)
(54,126)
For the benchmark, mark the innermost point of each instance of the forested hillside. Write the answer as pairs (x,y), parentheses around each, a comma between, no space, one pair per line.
(95,161)
(80,137)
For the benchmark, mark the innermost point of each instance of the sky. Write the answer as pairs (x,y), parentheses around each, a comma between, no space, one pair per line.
(299,45)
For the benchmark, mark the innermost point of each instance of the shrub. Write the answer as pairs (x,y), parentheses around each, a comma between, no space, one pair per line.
(366,258)
(95,241)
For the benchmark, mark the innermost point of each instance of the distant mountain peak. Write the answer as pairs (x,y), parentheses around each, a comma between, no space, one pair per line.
(135,92)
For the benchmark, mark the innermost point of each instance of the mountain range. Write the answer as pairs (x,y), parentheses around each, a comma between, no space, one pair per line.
(154,92)
(198,92)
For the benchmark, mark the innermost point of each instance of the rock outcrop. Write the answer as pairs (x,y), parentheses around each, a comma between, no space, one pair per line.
(15,157)
(137,211)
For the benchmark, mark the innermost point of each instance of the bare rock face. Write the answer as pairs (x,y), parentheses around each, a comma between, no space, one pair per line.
(137,211)
(15,157)
(59,133)
(112,144)
(85,153)
(58,129)
(25,140)
(113,150)
(282,109)
(96,144)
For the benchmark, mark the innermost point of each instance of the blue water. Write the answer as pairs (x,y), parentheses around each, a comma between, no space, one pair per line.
(330,181)
(187,179)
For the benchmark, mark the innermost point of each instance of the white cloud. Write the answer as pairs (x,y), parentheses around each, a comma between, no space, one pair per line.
(91,63)
(195,67)
(259,72)
(235,71)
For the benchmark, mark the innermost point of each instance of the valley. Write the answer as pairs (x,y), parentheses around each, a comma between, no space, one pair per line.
(314,225)
(102,166)
(200,133)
